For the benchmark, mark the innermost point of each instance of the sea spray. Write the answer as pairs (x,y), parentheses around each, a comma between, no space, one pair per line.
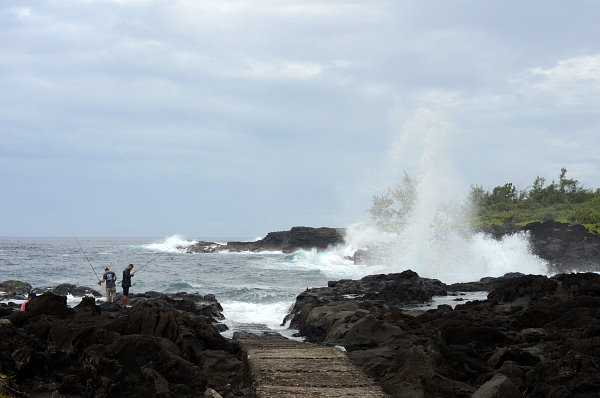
(433,236)
(174,243)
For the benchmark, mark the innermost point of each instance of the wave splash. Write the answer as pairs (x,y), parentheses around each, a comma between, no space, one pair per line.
(434,238)
(450,257)
(172,244)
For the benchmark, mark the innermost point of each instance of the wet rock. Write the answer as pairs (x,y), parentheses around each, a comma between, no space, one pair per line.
(65,289)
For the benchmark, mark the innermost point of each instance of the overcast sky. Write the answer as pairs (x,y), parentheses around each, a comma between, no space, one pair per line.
(236,118)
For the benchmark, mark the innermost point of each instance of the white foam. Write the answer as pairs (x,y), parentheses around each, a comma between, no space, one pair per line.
(334,264)
(453,301)
(16,301)
(172,244)
(241,315)
(248,252)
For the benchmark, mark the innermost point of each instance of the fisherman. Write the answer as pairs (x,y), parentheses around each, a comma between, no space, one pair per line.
(126,283)
(29,297)
(111,288)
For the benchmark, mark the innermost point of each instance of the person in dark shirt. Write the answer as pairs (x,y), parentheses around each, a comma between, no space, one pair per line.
(111,288)
(126,283)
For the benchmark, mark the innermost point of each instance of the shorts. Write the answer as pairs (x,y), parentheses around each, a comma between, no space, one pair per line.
(125,291)
(111,293)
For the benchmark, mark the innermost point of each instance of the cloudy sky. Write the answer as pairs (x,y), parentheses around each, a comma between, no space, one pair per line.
(235,118)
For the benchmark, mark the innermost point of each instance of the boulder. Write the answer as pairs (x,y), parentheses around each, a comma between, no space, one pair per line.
(499,386)
(49,304)
(15,288)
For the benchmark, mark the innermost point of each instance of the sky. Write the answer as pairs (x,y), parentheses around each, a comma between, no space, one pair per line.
(236,118)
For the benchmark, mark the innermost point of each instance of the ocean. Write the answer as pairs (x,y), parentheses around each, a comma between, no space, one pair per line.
(253,288)
(256,290)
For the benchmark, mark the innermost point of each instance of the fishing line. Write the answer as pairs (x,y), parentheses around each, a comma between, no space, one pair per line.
(89,262)
(148,262)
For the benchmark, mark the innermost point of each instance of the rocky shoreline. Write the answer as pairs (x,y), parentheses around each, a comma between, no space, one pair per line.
(165,345)
(533,336)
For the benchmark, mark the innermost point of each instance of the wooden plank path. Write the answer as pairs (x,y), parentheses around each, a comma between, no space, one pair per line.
(285,368)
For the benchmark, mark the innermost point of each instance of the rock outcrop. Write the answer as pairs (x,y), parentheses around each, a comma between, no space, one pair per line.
(191,303)
(287,241)
(52,350)
(534,336)
(14,288)
(68,288)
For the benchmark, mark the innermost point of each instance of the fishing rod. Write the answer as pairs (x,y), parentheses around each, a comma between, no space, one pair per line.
(89,262)
(148,262)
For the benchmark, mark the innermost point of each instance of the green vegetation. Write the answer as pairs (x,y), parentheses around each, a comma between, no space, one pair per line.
(566,201)
(391,210)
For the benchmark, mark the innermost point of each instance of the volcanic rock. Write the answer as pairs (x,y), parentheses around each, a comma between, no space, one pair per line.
(194,305)
(68,288)
(391,289)
(499,386)
(533,336)
(287,241)
(150,350)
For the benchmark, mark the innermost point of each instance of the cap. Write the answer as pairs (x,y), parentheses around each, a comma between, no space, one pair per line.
(32,294)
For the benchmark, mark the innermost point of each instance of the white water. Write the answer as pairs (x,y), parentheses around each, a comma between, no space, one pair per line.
(172,244)
(432,241)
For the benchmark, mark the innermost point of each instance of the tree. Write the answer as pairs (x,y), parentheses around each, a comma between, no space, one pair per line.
(391,210)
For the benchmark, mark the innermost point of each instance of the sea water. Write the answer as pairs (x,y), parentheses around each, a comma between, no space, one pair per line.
(256,290)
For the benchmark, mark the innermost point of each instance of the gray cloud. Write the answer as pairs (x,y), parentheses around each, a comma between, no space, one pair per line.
(236,118)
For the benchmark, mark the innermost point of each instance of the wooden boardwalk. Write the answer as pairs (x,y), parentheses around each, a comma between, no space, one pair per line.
(285,368)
